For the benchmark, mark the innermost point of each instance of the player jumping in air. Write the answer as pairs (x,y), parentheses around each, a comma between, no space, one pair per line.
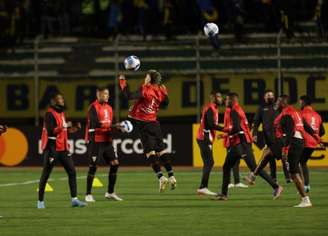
(312,136)
(205,138)
(238,141)
(265,115)
(143,114)
(55,148)
(99,138)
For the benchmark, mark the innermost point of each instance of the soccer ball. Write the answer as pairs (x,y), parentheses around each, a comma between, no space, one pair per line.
(127,126)
(211,29)
(132,63)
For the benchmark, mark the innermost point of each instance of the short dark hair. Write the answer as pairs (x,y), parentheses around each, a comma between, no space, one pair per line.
(232,95)
(55,94)
(214,92)
(101,89)
(306,99)
(155,76)
(268,91)
(285,97)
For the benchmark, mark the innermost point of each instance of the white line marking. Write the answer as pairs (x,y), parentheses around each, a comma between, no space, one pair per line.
(37,181)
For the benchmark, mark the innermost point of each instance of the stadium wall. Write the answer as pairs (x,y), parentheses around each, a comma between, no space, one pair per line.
(19,93)
(319,157)
(20,146)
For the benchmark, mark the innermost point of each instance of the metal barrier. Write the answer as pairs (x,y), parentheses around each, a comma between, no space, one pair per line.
(188,55)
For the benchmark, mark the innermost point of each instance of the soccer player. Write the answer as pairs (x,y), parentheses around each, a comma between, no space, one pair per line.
(205,137)
(289,132)
(143,114)
(313,121)
(54,144)
(265,115)
(99,138)
(3,129)
(238,141)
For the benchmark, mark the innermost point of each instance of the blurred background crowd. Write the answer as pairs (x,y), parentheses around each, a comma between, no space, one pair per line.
(20,19)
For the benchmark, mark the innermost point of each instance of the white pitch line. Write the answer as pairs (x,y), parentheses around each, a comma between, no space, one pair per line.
(21,183)
(37,181)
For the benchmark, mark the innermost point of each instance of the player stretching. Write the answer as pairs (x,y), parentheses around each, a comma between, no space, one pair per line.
(289,132)
(143,115)
(55,148)
(99,139)
(205,137)
(238,141)
(312,136)
(266,115)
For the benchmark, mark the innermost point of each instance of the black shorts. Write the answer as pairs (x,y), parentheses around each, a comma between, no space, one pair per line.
(306,155)
(276,148)
(294,154)
(150,134)
(101,150)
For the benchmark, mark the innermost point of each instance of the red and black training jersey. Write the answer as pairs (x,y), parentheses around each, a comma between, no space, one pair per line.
(148,98)
(99,121)
(236,126)
(313,127)
(209,122)
(54,129)
(288,125)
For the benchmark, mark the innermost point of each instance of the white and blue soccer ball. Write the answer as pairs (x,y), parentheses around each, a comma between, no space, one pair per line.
(211,29)
(132,63)
(126,126)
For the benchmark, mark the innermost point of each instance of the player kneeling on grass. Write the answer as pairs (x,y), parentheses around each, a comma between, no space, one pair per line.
(143,115)
(55,148)
(99,138)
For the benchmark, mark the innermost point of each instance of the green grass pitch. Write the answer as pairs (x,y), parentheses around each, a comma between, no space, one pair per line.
(146,212)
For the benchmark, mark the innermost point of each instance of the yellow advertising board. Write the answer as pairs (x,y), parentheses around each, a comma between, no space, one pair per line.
(319,158)
(17,95)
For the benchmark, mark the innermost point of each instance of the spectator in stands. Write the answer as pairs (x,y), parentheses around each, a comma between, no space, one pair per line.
(8,21)
(153,18)
(114,15)
(129,14)
(61,12)
(207,10)
(324,17)
(141,7)
(187,11)
(88,16)
(102,9)
(168,18)
(321,18)
(236,12)
(47,12)
(3,23)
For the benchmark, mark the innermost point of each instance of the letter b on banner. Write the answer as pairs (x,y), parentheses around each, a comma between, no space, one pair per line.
(17,97)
